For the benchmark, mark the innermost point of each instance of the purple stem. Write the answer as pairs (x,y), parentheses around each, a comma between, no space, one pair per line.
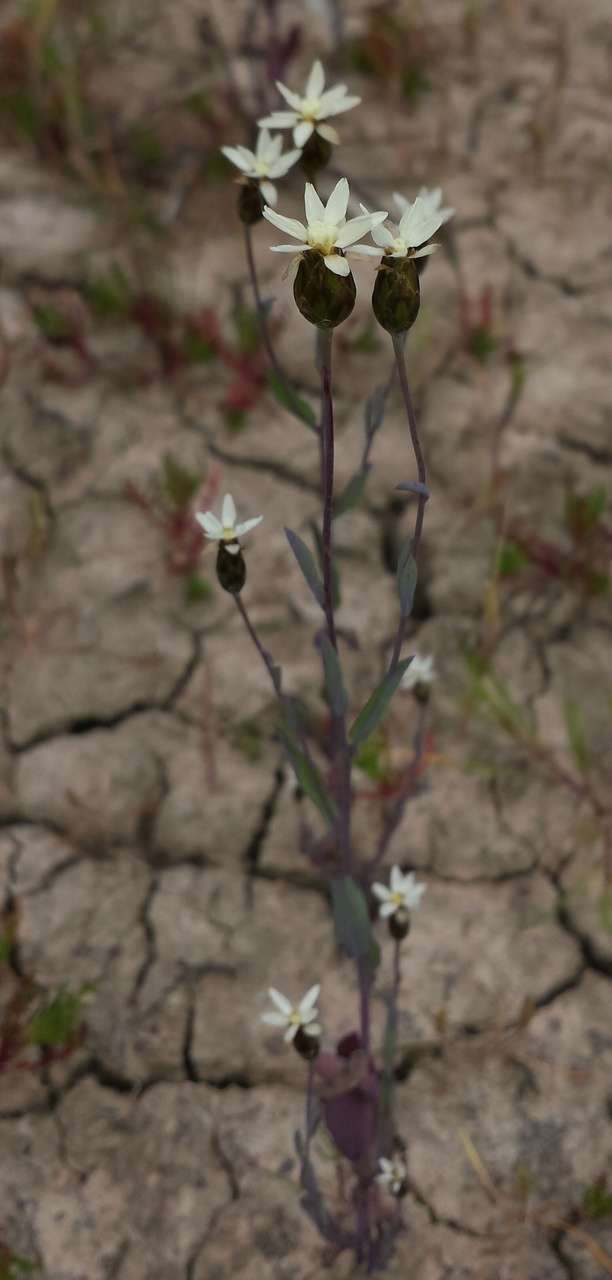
(398,347)
(268,661)
(324,360)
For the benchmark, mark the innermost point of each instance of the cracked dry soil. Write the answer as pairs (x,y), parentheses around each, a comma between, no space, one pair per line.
(152,849)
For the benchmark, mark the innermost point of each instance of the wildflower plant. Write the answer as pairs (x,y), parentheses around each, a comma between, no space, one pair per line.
(350,1087)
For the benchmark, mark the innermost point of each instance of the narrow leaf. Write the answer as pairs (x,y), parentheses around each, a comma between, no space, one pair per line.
(406,578)
(352,493)
(289,399)
(351,917)
(375,708)
(414,486)
(334,575)
(375,410)
(307,564)
(577,735)
(309,778)
(334,683)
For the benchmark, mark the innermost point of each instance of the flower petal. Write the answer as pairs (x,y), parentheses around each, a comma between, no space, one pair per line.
(313,1029)
(401,201)
(332,97)
(315,209)
(425,251)
(310,999)
(355,228)
(210,524)
(247,525)
(290,1033)
(302,132)
(382,236)
(380,891)
(396,880)
(288,248)
(235,155)
(343,104)
(336,263)
(328,132)
(280,167)
(387,909)
(279,120)
(418,223)
(228,512)
(274,1019)
(269,192)
(293,99)
(316,81)
(280,1001)
(290,225)
(337,205)
(262,147)
(363,251)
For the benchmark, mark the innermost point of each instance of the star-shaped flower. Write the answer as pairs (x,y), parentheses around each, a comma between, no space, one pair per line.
(393,1174)
(292,1016)
(405,892)
(419,221)
(264,162)
(226,529)
(307,113)
(420,671)
(432,200)
(327,229)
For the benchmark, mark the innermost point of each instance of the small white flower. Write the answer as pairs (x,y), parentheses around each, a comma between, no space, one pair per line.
(294,1016)
(226,529)
(419,221)
(393,1174)
(420,671)
(264,162)
(431,198)
(308,112)
(405,892)
(327,229)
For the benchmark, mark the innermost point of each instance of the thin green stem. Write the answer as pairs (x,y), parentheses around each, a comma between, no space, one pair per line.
(398,347)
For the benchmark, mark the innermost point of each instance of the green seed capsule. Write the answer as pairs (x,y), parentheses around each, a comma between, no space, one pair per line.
(397,296)
(250,203)
(307,1046)
(323,298)
(231,568)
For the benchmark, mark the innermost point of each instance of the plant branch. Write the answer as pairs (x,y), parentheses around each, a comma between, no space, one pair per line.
(398,347)
(324,361)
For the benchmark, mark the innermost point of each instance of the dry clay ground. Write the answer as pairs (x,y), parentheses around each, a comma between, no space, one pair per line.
(154,857)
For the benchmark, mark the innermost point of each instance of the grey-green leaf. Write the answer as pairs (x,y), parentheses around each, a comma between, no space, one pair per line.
(406,578)
(289,399)
(351,494)
(307,564)
(334,683)
(351,917)
(375,708)
(309,778)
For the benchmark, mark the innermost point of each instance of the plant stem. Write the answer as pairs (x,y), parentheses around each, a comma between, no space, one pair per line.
(267,659)
(260,306)
(324,361)
(398,347)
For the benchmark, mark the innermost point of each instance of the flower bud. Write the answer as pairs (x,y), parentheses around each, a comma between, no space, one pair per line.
(421,693)
(250,203)
(399,924)
(315,155)
(231,568)
(396,297)
(306,1045)
(323,298)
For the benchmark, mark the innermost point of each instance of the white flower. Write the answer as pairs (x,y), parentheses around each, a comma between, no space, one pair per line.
(405,892)
(432,200)
(393,1174)
(307,113)
(327,228)
(419,221)
(226,530)
(294,1016)
(420,671)
(264,162)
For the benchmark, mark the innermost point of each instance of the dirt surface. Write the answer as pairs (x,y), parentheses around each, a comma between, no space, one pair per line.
(149,829)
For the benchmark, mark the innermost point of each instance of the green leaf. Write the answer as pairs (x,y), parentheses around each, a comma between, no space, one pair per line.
(352,921)
(290,400)
(406,578)
(334,684)
(510,559)
(577,735)
(375,708)
(351,494)
(179,483)
(109,296)
(58,1022)
(197,589)
(309,778)
(375,410)
(306,561)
